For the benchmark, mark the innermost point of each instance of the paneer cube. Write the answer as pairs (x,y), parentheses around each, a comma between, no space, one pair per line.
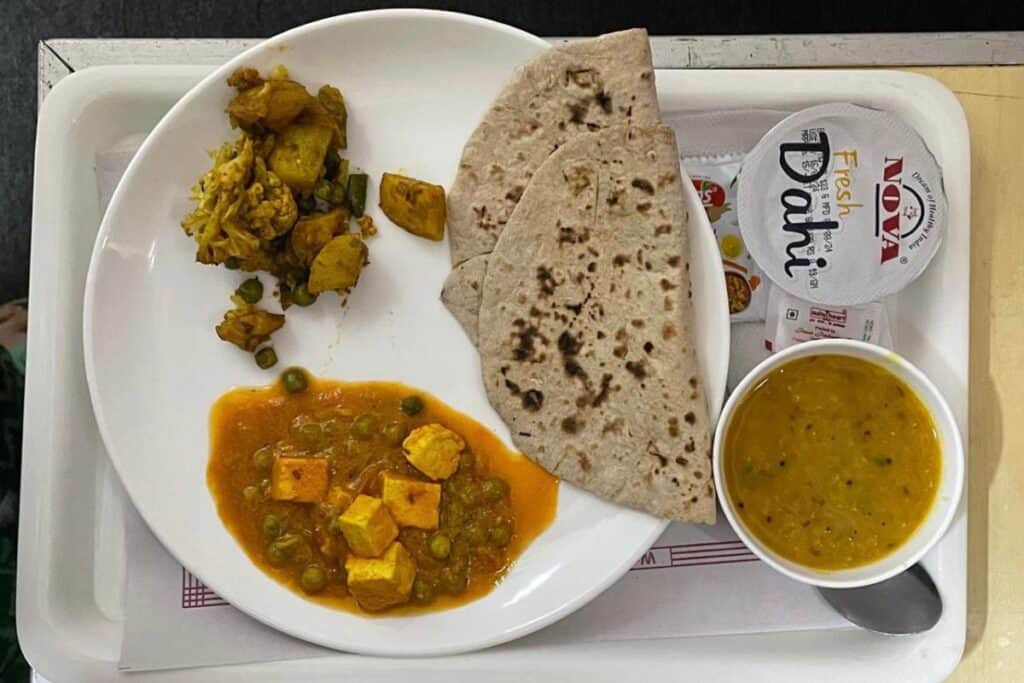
(434,450)
(300,480)
(381,582)
(367,526)
(412,503)
(338,499)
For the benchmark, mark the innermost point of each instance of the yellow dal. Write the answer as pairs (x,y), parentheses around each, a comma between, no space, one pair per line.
(832,462)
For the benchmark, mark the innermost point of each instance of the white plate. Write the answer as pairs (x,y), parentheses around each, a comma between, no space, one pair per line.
(416,84)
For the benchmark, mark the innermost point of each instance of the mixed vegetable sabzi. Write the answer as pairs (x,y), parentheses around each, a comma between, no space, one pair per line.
(281,199)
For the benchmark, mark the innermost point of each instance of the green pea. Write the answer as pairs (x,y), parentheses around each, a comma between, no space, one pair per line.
(474,533)
(278,553)
(250,493)
(271,527)
(412,405)
(394,433)
(469,493)
(313,579)
(500,534)
(306,204)
(294,380)
(266,357)
(422,591)
(263,458)
(301,296)
(251,291)
(440,546)
(493,489)
(232,263)
(323,189)
(363,427)
(338,195)
(454,581)
(455,513)
(466,461)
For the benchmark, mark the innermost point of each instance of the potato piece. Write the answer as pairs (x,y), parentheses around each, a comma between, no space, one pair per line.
(316,115)
(298,155)
(412,503)
(383,582)
(338,265)
(312,233)
(433,450)
(300,480)
(273,104)
(414,205)
(368,526)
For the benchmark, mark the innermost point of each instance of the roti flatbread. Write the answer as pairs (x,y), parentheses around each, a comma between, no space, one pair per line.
(566,91)
(586,327)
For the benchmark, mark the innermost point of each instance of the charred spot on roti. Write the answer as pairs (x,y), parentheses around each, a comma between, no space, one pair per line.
(613,427)
(568,344)
(673,426)
(637,369)
(690,418)
(600,334)
(512,387)
(533,400)
(546,281)
(653,450)
(636,322)
(592,266)
(576,112)
(620,260)
(667,285)
(698,474)
(525,337)
(648,347)
(604,100)
(690,447)
(643,185)
(693,382)
(515,194)
(673,261)
(668,330)
(643,207)
(583,461)
(668,303)
(571,424)
(663,229)
(620,351)
(682,462)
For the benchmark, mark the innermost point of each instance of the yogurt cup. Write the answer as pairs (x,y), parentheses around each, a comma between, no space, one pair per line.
(841,204)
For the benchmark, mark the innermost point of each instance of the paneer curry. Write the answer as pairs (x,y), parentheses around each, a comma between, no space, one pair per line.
(371,496)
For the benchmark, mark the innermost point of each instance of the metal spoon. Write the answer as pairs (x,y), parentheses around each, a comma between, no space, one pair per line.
(907,603)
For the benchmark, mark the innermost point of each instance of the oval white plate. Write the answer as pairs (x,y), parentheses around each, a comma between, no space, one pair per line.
(416,84)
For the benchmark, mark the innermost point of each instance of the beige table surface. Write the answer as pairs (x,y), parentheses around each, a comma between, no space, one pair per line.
(993,98)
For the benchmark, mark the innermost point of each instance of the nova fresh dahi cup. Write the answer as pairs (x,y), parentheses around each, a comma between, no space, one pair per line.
(841,204)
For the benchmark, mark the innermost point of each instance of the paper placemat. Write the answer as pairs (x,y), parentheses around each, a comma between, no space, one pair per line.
(695,581)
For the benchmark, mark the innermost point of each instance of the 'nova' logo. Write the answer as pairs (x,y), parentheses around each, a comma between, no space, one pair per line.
(892,205)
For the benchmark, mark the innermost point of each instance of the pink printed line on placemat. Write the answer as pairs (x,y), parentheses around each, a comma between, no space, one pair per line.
(694,555)
(195,593)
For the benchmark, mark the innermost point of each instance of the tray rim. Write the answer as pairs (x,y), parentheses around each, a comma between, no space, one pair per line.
(60,111)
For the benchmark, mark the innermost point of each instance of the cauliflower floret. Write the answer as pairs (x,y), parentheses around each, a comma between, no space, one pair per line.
(248,327)
(239,204)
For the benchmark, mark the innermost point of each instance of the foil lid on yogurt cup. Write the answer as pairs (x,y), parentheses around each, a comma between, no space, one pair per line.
(840,204)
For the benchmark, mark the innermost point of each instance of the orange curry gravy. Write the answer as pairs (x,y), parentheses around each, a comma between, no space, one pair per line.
(251,426)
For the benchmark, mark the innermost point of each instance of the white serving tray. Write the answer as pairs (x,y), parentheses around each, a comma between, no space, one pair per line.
(71,551)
